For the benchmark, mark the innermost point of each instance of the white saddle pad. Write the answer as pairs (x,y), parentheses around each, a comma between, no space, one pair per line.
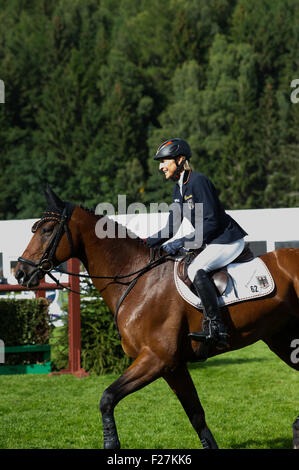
(247,281)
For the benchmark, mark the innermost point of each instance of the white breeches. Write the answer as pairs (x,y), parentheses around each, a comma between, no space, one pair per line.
(215,256)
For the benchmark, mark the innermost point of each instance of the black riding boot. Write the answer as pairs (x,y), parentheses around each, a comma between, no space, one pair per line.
(214,329)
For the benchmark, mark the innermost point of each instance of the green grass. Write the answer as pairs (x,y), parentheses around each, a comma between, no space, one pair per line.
(250,398)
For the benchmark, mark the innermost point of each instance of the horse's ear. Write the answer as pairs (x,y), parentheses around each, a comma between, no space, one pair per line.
(53,201)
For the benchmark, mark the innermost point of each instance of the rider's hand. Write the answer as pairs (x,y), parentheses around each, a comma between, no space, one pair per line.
(172,247)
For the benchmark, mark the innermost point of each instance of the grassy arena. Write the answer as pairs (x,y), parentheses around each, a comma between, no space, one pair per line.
(250,398)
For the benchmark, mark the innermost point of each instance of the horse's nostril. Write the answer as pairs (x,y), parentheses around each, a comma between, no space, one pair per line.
(19,274)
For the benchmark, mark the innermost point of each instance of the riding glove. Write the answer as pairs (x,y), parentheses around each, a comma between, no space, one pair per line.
(173,247)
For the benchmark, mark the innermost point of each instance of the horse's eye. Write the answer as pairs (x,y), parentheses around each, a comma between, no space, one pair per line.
(47,230)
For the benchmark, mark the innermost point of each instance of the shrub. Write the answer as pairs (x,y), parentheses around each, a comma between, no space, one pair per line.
(24,321)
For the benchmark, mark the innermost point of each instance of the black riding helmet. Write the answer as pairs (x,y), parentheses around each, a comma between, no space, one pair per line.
(173,148)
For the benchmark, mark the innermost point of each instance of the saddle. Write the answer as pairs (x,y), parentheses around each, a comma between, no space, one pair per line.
(219,277)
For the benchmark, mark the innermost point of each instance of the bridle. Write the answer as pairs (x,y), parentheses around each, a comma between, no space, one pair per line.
(47,260)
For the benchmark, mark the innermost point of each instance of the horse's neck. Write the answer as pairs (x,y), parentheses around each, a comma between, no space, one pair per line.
(109,257)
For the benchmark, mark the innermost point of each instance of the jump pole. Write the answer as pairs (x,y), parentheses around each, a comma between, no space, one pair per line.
(74,324)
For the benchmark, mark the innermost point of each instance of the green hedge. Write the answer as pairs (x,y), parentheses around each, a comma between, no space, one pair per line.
(101,350)
(24,321)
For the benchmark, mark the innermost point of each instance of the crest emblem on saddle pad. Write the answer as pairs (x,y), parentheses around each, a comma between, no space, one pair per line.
(263,282)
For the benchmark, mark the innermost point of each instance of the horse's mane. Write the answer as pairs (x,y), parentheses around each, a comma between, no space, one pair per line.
(56,205)
(129,233)
(87,209)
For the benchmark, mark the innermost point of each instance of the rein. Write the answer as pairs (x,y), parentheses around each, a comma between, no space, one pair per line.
(152,264)
(46,263)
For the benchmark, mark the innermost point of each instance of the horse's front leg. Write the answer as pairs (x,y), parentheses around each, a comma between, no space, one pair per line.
(145,369)
(182,384)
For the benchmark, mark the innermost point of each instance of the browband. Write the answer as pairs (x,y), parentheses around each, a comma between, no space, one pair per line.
(48,216)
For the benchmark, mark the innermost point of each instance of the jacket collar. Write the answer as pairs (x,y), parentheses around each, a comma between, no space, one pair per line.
(186,178)
(187,175)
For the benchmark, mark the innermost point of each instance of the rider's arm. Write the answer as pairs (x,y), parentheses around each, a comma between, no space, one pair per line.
(164,234)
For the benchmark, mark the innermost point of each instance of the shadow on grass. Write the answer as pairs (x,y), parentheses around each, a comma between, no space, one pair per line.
(280,443)
(225,361)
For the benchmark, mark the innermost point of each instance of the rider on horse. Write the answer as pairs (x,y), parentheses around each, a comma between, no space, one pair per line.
(222,237)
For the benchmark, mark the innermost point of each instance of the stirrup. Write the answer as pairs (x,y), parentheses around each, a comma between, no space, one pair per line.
(221,341)
(201,336)
(212,333)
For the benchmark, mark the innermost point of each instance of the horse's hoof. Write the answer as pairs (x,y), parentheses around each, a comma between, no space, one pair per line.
(296,434)
(112,444)
(207,439)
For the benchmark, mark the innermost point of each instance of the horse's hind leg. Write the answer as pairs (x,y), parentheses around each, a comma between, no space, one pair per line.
(296,434)
(285,343)
(144,370)
(181,383)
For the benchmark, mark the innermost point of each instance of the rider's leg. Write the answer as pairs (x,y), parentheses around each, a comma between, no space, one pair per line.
(214,256)
(214,328)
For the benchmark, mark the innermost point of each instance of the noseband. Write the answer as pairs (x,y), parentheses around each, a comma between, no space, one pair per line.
(47,261)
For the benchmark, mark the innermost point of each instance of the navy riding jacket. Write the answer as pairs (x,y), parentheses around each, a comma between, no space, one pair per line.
(217,226)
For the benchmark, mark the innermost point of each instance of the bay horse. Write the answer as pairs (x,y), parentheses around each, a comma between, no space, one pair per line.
(153,320)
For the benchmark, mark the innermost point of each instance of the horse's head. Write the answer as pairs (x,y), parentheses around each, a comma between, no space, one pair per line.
(51,243)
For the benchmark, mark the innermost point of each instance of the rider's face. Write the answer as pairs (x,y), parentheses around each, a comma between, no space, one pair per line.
(168,166)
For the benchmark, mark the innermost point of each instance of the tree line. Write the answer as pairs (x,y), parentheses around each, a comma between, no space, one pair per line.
(92,88)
